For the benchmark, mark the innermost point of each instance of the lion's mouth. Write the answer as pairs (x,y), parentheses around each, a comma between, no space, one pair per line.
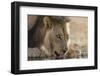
(59,56)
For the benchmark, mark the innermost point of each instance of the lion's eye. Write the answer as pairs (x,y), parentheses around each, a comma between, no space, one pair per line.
(59,36)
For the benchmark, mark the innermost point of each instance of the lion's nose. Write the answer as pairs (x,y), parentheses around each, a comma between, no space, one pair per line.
(64,50)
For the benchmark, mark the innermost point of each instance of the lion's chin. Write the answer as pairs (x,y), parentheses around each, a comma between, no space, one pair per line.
(59,56)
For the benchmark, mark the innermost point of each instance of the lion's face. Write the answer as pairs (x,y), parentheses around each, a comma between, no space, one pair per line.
(58,41)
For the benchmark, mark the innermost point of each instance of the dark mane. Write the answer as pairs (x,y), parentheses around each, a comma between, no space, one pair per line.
(37,33)
(59,19)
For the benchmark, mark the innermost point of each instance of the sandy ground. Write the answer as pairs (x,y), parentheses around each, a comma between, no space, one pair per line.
(79,30)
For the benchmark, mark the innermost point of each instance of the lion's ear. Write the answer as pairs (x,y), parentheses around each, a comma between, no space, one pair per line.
(47,22)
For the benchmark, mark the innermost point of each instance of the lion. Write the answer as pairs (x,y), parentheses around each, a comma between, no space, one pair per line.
(49,36)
